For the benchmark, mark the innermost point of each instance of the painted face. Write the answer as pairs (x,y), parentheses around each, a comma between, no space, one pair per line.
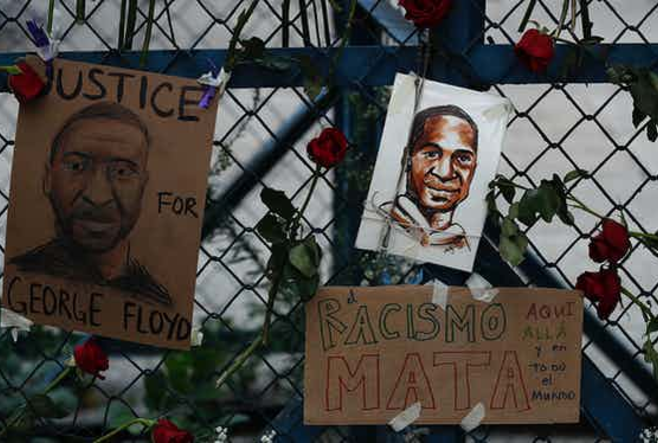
(96,182)
(443,162)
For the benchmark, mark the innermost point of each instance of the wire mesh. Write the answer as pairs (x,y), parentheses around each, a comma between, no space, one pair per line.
(260,140)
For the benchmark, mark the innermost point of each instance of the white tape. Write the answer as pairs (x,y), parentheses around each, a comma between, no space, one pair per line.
(473,419)
(402,100)
(406,417)
(48,53)
(440,294)
(499,111)
(481,289)
(14,321)
(197,337)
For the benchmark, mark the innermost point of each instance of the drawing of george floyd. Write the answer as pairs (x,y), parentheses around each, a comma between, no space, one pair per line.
(441,163)
(94,179)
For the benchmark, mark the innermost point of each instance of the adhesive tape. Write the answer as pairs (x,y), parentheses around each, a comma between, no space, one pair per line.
(440,294)
(406,417)
(473,419)
(481,289)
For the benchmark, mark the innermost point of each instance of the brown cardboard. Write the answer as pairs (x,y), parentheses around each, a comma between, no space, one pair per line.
(119,259)
(371,352)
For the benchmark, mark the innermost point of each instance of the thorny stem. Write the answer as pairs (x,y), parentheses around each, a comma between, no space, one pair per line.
(51,13)
(646,311)
(563,18)
(242,21)
(53,384)
(147,35)
(528,14)
(108,436)
(263,338)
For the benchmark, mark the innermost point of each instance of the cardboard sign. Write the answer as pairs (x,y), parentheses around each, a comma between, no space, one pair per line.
(427,195)
(108,189)
(373,352)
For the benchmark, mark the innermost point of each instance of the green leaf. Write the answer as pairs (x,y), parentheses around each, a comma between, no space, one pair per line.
(513,248)
(638,117)
(528,207)
(650,243)
(652,131)
(297,286)
(509,228)
(547,202)
(277,202)
(43,406)
(653,78)
(566,216)
(508,193)
(275,63)
(313,81)
(575,174)
(156,393)
(645,95)
(278,260)
(252,49)
(651,356)
(178,371)
(305,257)
(272,228)
(11,70)
(652,326)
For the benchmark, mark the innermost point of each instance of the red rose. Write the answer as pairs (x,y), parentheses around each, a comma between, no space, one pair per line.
(91,358)
(167,432)
(328,149)
(611,244)
(535,50)
(425,13)
(27,85)
(602,287)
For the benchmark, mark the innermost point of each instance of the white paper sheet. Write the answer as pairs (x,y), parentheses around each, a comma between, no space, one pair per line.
(437,212)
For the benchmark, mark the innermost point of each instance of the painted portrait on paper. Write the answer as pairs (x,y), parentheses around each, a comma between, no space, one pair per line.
(442,156)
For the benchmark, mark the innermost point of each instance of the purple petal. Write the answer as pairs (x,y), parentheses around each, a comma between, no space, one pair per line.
(38,34)
(208,95)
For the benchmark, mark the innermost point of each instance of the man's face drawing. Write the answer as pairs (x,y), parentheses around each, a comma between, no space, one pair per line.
(443,161)
(96,180)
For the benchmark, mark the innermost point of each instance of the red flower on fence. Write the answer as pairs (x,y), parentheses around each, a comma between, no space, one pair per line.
(167,432)
(91,358)
(425,13)
(535,50)
(603,287)
(329,148)
(611,244)
(27,85)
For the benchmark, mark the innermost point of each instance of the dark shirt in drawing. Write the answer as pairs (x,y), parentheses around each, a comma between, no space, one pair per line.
(58,259)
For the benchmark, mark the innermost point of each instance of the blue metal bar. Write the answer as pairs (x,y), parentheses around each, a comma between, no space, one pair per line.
(374,65)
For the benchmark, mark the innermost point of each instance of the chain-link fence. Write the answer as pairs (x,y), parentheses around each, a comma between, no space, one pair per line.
(263,125)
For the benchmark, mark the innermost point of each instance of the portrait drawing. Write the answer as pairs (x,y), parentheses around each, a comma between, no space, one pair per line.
(107,196)
(439,150)
(441,162)
(94,179)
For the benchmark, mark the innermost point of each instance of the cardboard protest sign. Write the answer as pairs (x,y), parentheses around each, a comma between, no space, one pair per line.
(373,352)
(107,197)
(427,195)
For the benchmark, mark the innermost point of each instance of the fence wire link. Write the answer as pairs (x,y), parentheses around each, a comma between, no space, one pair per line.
(260,140)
